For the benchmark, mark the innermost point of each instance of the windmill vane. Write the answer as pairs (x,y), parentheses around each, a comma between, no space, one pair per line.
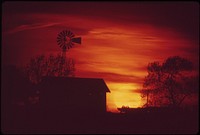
(66,40)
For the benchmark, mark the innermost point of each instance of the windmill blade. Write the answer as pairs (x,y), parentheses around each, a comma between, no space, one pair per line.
(61,44)
(59,38)
(76,40)
(71,44)
(71,34)
(61,34)
(68,32)
(65,32)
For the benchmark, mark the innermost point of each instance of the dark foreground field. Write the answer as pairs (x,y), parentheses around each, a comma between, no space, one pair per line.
(34,120)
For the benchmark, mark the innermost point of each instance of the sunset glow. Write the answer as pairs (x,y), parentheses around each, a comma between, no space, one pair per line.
(117,49)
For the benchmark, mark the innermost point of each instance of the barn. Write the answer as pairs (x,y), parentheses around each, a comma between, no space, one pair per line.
(73,95)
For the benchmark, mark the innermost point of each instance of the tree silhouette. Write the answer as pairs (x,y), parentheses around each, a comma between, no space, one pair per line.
(41,66)
(15,86)
(169,83)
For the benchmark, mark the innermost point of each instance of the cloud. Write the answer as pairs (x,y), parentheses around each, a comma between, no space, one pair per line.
(183,17)
(31,27)
(23,22)
(112,77)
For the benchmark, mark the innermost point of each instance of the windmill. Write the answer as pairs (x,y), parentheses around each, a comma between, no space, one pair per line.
(66,40)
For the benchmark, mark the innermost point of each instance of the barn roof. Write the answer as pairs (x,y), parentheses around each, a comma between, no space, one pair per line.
(74,84)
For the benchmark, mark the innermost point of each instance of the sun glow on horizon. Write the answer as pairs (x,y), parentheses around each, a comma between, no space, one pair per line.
(123,94)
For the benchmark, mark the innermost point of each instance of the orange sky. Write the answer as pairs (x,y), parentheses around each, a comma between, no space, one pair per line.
(116,49)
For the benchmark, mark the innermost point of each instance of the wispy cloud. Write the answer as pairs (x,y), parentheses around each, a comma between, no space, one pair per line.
(31,27)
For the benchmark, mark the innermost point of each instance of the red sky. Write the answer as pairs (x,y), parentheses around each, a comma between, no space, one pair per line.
(119,39)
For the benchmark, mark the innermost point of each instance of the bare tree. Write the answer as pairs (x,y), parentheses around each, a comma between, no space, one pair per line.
(169,83)
(41,66)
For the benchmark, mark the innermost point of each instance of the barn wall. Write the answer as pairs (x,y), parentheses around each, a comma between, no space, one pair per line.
(57,98)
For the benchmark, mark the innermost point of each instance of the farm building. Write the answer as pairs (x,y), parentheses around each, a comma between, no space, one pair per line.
(68,94)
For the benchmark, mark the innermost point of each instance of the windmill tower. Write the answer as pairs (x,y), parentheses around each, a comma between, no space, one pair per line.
(66,40)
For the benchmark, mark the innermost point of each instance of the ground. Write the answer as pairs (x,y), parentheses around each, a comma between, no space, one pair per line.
(35,120)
